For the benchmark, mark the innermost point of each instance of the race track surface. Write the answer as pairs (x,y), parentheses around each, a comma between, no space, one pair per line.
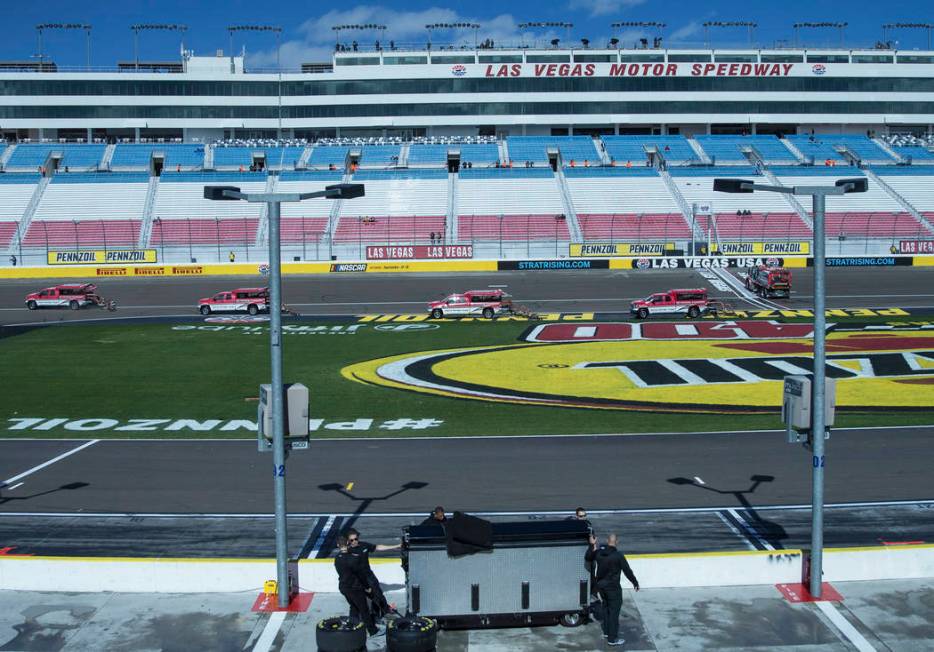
(549,291)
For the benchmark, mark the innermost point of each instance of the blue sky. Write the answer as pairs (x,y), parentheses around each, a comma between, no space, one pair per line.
(307,34)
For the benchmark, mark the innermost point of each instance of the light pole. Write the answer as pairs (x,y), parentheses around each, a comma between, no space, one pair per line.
(65,26)
(891,26)
(154,27)
(749,25)
(832,24)
(641,24)
(455,26)
(818,427)
(275,29)
(548,24)
(273,201)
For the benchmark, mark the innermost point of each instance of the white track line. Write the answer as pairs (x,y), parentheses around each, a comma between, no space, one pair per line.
(9,481)
(750,530)
(421,515)
(845,626)
(268,637)
(742,537)
(322,537)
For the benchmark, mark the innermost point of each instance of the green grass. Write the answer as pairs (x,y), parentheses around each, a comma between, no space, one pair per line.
(153,371)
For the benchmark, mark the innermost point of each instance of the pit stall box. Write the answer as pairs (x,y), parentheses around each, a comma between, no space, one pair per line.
(534,574)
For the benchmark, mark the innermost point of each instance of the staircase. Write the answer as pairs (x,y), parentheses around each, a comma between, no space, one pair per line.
(450,220)
(897,197)
(5,158)
(29,213)
(686,211)
(601,150)
(403,156)
(108,156)
(503,152)
(791,199)
(262,229)
(145,229)
(336,208)
(302,162)
(884,146)
(574,227)
(209,157)
(701,154)
(790,146)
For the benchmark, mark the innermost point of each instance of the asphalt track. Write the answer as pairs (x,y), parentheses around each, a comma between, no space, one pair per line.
(606,291)
(213,498)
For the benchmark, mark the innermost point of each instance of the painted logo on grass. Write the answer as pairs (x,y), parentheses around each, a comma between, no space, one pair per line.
(727,372)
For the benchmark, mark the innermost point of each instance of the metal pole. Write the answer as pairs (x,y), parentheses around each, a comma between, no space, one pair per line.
(89,48)
(136,48)
(276,403)
(817,402)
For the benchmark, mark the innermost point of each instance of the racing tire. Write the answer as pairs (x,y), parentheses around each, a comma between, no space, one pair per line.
(340,634)
(253,309)
(488,313)
(437,313)
(205,310)
(642,313)
(571,620)
(411,634)
(693,312)
(74,305)
(32,305)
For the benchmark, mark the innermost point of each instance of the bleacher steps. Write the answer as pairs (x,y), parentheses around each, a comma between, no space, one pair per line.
(790,146)
(701,154)
(145,229)
(884,146)
(686,212)
(28,214)
(791,199)
(601,150)
(208,157)
(897,197)
(574,227)
(108,156)
(302,162)
(450,220)
(6,156)
(262,228)
(403,156)
(503,152)
(336,208)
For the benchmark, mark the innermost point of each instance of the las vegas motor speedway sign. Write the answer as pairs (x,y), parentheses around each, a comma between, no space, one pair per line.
(718,367)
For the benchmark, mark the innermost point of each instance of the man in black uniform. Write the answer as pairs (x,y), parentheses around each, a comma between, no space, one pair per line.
(610,563)
(375,592)
(352,583)
(436,517)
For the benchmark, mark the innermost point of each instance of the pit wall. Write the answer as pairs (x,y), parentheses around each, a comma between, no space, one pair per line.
(434,266)
(654,571)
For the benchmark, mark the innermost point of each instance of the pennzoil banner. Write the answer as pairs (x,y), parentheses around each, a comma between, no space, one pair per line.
(604,250)
(102,257)
(763,248)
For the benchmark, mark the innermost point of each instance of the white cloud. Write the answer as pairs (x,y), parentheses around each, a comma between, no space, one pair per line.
(604,7)
(682,33)
(405,28)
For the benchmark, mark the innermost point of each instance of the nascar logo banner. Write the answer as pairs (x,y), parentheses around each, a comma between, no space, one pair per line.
(101,256)
(603,250)
(763,248)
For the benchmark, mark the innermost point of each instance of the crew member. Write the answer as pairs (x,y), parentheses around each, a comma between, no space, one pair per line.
(380,606)
(436,517)
(610,562)
(352,583)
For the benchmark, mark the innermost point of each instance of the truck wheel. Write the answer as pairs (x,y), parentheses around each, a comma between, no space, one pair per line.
(32,305)
(437,314)
(571,620)
(693,312)
(642,313)
(252,309)
(205,310)
(488,313)
(74,305)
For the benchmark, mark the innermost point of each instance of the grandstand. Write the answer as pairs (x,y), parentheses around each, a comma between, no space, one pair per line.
(675,149)
(323,156)
(535,149)
(485,154)
(139,156)
(74,156)
(16,191)
(729,149)
(89,210)
(816,148)
(429,155)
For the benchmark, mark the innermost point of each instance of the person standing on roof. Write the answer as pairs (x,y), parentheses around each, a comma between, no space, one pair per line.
(610,564)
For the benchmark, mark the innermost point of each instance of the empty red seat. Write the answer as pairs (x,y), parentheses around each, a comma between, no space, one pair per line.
(874,225)
(384,229)
(7,230)
(633,226)
(232,230)
(512,227)
(83,233)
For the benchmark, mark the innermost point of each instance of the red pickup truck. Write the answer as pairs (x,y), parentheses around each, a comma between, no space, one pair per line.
(68,295)
(691,302)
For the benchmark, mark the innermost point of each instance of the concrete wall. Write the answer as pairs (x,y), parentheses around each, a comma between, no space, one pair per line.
(654,571)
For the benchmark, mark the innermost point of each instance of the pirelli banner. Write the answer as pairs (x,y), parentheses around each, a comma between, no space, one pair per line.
(620,249)
(102,257)
(763,248)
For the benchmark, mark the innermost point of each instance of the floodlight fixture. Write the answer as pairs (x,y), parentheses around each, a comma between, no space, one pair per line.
(548,24)
(64,27)
(748,24)
(840,26)
(431,27)
(155,27)
(891,26)
(220,193)
(858,184)
(732,185)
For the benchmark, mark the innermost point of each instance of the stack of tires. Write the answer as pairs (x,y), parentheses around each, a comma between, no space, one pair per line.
(411,634)
(340,634)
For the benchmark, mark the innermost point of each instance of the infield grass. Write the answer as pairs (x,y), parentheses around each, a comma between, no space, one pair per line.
(177,371)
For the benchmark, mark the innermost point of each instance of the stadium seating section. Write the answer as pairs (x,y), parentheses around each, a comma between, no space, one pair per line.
(730,149)
(535,148)
(325,155)
(436,155)
(138,156)
(675,149)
